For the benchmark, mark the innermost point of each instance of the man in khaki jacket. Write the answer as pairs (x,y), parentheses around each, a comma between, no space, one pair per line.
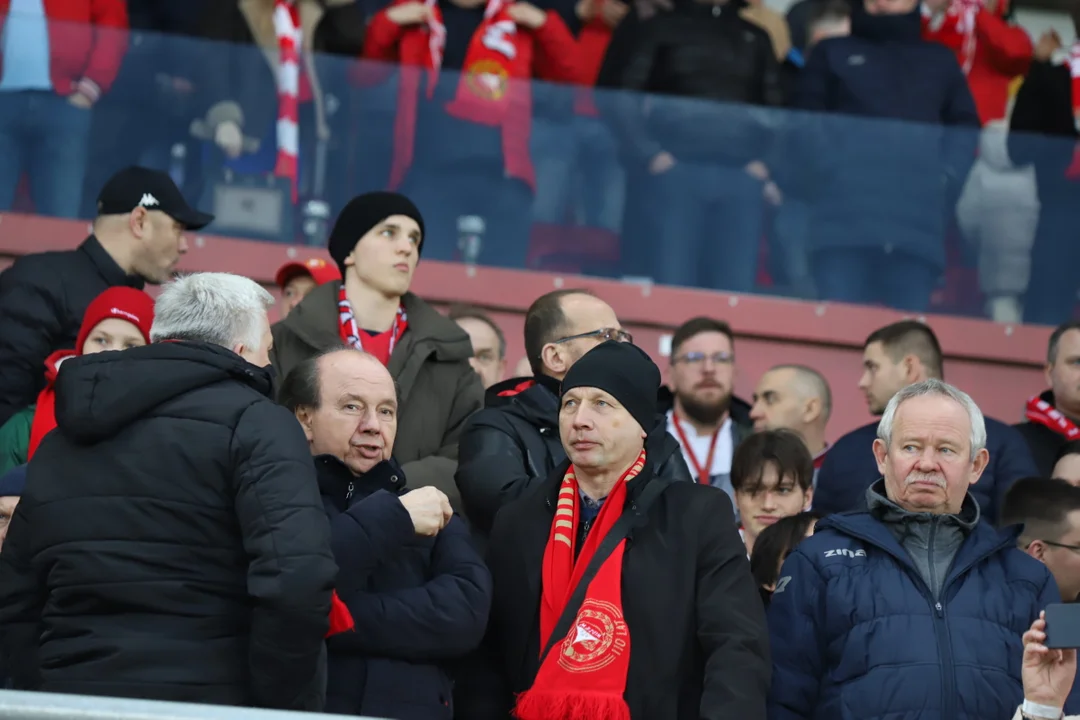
(376,243)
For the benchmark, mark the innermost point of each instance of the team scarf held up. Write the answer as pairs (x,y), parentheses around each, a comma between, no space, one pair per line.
(492,90)
(381,345)
(584,675)
(955,28)
(289,37)
(1043,413)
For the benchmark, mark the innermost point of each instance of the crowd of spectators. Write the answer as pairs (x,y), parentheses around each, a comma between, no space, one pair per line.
(354,509)
(854,151)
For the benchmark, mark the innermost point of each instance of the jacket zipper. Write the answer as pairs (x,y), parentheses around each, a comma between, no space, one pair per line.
(350,491)
(941,626)
(941,620)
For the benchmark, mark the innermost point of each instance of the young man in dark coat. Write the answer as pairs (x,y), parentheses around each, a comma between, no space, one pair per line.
(138,237)
(889,159)
(376,243)
(415,587)
(895,357)
(171,544)
(668,624)
(1053,417)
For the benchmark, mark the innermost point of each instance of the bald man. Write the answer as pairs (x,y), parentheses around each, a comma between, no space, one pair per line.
(796,398)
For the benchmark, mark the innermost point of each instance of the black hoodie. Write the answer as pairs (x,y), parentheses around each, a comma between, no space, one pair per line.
(171,541)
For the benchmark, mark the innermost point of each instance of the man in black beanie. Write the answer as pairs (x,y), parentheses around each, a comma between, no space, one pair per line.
(376,243)
(620,569)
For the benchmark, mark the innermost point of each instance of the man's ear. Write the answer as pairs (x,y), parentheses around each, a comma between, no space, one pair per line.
(305,416)
(554,359)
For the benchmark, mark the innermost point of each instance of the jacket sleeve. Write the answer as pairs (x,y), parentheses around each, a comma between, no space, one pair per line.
(1008,47)
(110,21)
(15,439)
(1013,462)
(731,621)
(492,470)
(30,329)
(438,469)
(795,622)
(22,599)
(837,481)
(291,571)
(556,58)
(628,67)
(443,619)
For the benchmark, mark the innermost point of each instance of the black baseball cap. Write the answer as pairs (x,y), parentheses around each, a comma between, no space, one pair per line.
(136,186)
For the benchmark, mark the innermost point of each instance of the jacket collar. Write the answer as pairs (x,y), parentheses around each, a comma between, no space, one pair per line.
(336,479)
(110,271)
(887,511)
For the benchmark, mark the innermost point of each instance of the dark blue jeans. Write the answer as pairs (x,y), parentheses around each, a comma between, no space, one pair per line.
(870,275)
(44,135)
(710,231)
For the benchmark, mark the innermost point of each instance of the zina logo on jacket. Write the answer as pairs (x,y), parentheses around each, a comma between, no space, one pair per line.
(845,553)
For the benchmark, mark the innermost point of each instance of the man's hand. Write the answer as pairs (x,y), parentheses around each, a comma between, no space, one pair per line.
(661,163)
(229,138)
(80,101)
(772,194)
(757,170)
(410,13)
(613,12)
(1047,674)
(527,15)
(585,10)
(429,510)
(1049,43)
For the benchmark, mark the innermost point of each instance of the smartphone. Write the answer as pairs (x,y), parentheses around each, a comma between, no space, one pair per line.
(1063,626)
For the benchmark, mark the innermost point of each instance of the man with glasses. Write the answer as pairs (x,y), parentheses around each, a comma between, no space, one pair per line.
(703,415)
(513,443)
(1049,510)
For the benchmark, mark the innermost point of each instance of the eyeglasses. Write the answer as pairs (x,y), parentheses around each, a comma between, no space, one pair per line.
(698,358)
(603,334)
(1075,548)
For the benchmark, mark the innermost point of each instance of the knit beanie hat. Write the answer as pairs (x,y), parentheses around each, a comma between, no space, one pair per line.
(623,371)
(363,213)
(123,303)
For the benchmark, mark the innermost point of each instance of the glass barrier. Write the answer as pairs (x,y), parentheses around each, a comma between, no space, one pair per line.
(522,174)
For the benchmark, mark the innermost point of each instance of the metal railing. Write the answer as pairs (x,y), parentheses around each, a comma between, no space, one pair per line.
(17,705)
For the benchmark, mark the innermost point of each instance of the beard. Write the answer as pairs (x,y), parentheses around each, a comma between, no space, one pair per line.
(704,412)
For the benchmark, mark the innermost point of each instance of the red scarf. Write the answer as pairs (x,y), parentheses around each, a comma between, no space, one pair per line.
(1073,173)
(287,30)
(341,619)
(380,345)
(1043,413)
(955,29)
(45,409)
(584,676)
(493,89)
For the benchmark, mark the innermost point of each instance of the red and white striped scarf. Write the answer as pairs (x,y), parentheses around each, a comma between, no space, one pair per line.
(955,28)
(287,29)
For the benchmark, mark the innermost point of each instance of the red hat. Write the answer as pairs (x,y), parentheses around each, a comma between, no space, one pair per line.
(320,271)
(123,303)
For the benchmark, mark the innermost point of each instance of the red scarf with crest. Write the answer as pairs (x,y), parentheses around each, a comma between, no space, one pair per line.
(1043,413)
(381,345)
(493,88)
(584,676)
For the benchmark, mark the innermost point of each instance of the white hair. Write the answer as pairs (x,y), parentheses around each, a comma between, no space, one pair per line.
(217,308)
(938,388)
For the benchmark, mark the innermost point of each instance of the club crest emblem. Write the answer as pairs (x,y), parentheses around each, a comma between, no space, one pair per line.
(598,636)
(487,79)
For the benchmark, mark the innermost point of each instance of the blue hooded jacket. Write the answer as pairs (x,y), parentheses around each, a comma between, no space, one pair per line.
(856,633)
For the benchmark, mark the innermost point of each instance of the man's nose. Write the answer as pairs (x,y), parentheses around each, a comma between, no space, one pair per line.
(582,418)
(864,381)
(182,246)
(368,422)
(755,412)
(768,501)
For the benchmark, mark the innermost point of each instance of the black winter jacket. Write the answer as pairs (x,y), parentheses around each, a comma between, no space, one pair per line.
(513,444)
(1045,444)
(419,603)
(171,543)
(714,63)
(698,641)
(43,298)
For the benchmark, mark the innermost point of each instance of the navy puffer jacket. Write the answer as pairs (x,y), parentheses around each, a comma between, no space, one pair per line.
(856,634)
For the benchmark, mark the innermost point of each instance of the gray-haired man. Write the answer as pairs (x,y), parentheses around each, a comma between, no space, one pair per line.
(912,608)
